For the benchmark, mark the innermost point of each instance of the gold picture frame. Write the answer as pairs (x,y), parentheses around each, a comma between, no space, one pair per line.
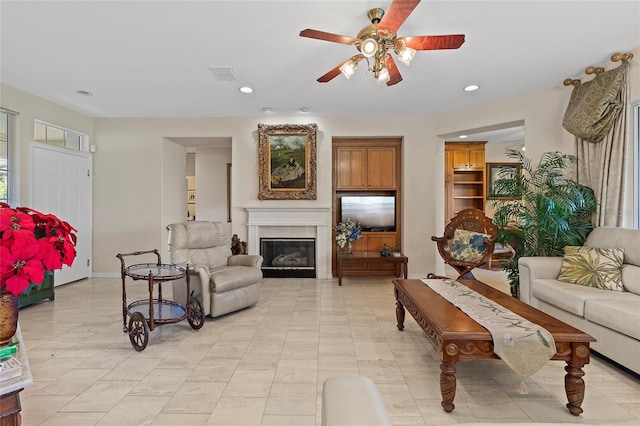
(496,171)
(287,161)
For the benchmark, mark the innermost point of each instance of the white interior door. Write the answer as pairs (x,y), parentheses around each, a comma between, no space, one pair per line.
(62,185)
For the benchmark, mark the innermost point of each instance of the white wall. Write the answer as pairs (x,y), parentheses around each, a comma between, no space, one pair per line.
(211,184)
(173,184)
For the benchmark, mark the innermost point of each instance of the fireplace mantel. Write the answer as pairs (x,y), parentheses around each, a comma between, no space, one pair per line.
(291,217)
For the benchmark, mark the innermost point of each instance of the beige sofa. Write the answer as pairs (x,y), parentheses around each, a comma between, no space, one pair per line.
(222,282)
(611,317)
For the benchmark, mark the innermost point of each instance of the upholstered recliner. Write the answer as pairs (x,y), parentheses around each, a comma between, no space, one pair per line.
(221,281)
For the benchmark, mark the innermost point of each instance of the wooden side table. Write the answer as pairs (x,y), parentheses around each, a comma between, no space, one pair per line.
(501,250)
(10,389)
(368,263)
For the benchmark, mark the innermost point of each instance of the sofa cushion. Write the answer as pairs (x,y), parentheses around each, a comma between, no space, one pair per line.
(631,278)
(571,297)
(593,267)
(468,246)
(624,238)
(619,315)
(225,278)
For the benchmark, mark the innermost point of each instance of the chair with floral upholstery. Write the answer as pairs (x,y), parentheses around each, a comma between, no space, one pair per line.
(468,241)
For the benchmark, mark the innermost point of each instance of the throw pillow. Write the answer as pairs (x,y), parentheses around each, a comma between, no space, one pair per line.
(593,267)
(468,246)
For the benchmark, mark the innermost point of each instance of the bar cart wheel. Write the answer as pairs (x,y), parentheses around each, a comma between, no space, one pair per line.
(195,313)
(138,331)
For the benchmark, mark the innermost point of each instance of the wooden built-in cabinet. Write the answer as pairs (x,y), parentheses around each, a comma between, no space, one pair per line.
(464,177)
(365,168)
(368,166)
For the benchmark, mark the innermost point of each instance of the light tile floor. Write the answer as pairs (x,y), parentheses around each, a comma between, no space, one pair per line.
(266,365)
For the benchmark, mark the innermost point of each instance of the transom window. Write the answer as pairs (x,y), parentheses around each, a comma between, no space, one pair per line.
(58,136)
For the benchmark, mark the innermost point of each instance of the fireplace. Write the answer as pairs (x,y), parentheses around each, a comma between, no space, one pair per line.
(293,222)
(288,257)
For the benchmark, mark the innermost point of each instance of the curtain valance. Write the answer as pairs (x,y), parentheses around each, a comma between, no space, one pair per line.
(594,105)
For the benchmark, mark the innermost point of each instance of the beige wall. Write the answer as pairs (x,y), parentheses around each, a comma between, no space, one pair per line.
(135,195)
(33,108)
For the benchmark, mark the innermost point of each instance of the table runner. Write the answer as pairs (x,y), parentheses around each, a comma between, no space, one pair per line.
(524,346)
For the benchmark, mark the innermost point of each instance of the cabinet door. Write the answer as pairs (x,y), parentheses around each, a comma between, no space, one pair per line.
(476,158)
(460,158)
(375,242)
(381,166)
(351,169)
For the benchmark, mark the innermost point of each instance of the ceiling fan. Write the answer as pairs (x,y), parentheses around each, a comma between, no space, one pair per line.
(375,41)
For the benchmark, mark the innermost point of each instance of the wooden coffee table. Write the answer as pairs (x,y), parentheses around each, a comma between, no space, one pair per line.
(456,336)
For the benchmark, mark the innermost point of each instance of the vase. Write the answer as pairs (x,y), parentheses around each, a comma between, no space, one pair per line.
(8,316)
(349,248)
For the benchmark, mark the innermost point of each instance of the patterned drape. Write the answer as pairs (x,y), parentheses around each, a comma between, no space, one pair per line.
(594,105)
(601,144)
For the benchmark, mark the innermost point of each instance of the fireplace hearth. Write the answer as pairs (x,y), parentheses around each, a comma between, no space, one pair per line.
(288,257)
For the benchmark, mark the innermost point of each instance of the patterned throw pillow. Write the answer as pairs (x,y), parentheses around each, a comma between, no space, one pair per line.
(593,267)
(468,246)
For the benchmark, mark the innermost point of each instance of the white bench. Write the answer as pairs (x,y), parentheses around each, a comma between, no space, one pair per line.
(351,400)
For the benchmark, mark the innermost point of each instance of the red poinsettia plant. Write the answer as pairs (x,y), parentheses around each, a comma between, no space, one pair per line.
(32,243)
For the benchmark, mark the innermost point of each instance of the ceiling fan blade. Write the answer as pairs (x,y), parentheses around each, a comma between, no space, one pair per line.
(396,14)
(452,41)
(331,74)
(321,35)
(336,71)
(394,73)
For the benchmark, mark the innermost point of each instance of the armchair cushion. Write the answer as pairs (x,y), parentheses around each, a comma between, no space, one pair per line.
(225,278)
(468,246)
(199,243)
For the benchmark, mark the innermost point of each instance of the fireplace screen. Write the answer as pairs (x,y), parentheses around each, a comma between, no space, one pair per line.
(288,257)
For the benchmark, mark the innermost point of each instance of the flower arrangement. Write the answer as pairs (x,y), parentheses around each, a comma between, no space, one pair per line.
(347,231)
(32,243)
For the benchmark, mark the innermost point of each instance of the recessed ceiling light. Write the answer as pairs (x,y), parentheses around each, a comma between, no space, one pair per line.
(84,93)
(462,136)
(246,89)
(471,88)
(266,109)
(305,109)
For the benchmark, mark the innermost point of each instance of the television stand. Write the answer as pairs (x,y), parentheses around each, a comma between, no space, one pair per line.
(362,263)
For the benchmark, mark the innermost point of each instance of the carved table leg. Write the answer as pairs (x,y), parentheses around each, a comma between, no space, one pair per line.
(399,313)
(574,387)
(448,385)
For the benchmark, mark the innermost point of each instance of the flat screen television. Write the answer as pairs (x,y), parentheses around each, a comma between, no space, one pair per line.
(373,213)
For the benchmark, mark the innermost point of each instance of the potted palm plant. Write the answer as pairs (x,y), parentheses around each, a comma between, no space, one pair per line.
(548,211)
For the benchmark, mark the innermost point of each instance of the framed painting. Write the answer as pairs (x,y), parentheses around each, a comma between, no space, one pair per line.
(191,197)
(498,171)
(287,162)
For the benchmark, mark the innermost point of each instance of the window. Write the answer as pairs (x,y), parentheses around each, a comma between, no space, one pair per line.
(58,136)
(6,137)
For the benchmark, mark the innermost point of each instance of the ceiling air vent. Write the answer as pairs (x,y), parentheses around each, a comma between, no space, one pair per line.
(224,73)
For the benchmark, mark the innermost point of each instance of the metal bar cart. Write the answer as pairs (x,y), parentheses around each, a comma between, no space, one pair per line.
(160,311)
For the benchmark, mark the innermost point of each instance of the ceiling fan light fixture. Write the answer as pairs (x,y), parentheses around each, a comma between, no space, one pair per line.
(369,47)
(348,68)
(383,76)
(405,55)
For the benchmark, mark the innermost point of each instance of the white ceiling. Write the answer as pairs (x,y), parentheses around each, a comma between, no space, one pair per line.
(152,59)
